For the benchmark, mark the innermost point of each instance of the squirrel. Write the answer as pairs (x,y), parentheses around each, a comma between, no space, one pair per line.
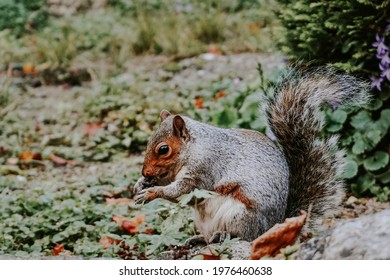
(259,182)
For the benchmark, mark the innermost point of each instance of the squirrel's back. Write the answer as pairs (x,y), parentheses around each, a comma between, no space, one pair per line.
(294,117)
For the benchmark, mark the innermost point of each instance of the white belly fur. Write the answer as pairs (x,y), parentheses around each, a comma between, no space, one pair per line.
(216,214)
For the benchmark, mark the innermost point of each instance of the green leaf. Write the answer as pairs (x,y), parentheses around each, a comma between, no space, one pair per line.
(335,127)
(384,177)
(363,184)
(385,119)
(374,136)
(350,170)
(360,146)
(377,161)
(361,120)
(338,116)
(374,105)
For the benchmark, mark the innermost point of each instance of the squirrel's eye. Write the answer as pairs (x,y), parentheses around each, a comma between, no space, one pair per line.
(163,150)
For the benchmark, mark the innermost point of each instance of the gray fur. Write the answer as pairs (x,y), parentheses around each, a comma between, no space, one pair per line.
(295,119)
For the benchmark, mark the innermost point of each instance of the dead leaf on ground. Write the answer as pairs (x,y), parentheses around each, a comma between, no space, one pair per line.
(3,150)
(60,161)
(199,102)
(207,257)
(214,50)
(29,156)
(58,248)
(119,201)
(149,231)
(278,237)
(131,225)
(29,69)
(91,129)
(107,241)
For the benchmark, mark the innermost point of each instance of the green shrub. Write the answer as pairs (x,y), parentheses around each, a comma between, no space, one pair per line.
(22,15)
(342,33)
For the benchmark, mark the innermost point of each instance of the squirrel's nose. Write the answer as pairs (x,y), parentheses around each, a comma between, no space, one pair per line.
(147,173)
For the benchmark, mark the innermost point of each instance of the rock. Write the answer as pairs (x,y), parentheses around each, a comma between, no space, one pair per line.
(364,238)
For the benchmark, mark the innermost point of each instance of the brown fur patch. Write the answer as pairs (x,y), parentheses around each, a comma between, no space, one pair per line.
(155,165)
(234,189)
(153,194)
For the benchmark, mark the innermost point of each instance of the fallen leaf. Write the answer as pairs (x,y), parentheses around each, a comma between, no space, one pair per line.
(210,257)
(58,248)
(130,225)
(149,231)
(199,103)
(119,201)
(254,26)
(60,161)
(278,237)
(29,69)
(107,241)
(220,94)
(91,129)
(3,150)
(29,156)
(214,50)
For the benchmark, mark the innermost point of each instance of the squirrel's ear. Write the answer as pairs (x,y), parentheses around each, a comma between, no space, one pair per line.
(179,128)
(164,114)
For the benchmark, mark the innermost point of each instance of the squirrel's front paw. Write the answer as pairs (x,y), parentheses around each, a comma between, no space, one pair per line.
(143,183)
(147,195)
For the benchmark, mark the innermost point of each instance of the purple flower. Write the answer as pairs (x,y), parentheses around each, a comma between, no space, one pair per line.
(385,71)
(376,83)
(385,61)
(381,48)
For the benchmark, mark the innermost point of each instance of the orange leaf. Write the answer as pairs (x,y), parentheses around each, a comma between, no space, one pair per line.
(210,257)
(59,160)
(149,231)
(254,26)
(214,50)
(278,237)
(220,94)
(130,225)
(199,103)
(91,129)
(28,68)
(118,219)
(28,156)
(58,249)
(107,241)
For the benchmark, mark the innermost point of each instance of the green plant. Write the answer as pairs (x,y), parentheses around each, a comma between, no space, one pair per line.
(36,218)
(341,33)
(21,16)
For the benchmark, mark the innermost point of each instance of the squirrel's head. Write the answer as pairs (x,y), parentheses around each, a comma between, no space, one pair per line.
(162,159)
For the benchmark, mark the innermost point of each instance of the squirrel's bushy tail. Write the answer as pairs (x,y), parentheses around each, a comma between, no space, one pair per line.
(295,119)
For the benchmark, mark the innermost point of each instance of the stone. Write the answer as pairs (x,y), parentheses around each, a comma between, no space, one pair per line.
(364,238)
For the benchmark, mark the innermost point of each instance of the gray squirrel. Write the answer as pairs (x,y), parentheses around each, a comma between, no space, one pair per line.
(259,183)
